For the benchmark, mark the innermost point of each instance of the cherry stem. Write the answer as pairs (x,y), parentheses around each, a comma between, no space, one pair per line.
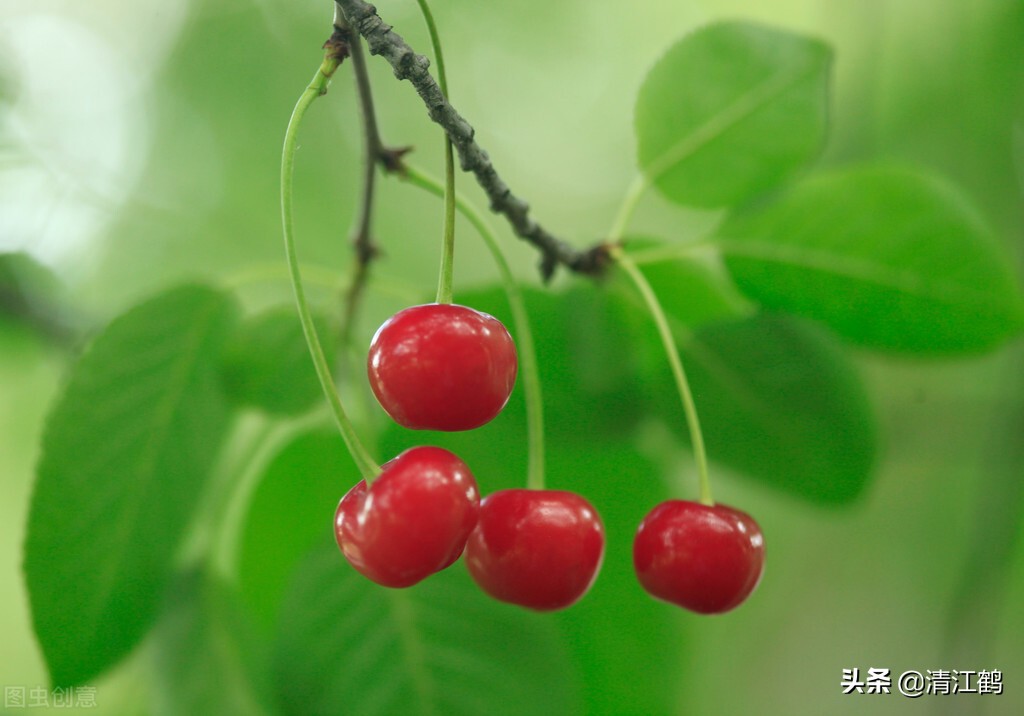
(672,353)
(527,351)
(634,193)
(445,276)
(318,86)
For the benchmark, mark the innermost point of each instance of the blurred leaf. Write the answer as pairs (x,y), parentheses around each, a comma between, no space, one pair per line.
(208,658)
(31,294)
(730,111)
(267,363)
(292,509)
(126,451)
(346,645)
(628,646)
(887,257)
(779,401)
(22,278)
(691,289)
(585,374)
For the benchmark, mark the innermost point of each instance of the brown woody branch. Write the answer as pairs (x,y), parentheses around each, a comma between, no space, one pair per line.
(408,65)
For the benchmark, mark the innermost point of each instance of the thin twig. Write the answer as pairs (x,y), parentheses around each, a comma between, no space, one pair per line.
(362,237)
(408,65)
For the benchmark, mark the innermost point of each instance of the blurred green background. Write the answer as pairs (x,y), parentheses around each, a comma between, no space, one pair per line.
(139,146)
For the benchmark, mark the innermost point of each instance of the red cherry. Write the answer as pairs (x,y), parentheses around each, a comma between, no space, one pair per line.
(412,521)
(442,367)
(707,559)
(536,548)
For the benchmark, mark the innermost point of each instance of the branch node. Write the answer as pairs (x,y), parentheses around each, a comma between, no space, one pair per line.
(336,46)
(365,249)
(392,159)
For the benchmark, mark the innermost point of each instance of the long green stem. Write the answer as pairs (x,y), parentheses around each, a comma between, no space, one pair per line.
(318,86)
(527,349)
(446,274)
(672,353)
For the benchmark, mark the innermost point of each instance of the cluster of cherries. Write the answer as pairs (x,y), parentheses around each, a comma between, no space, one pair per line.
(449,367)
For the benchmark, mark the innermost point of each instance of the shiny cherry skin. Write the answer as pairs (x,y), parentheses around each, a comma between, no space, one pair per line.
(442,367)
(412,521)
(705,558)
(539,549)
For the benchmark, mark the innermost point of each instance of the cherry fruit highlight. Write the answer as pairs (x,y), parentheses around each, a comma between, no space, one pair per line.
(539,549)
(412,521)
(442,367)
(707,559)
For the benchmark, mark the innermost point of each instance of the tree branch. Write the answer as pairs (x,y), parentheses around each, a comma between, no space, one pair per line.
(408,65)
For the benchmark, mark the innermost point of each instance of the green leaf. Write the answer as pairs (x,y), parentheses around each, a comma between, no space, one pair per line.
(208,657)
(731,111)
(292,510)
(267,364)
(779,401)
(346,645)
(126,451)
(888,257)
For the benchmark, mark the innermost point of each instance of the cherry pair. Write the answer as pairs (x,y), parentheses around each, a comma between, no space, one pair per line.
(543,549)
(536,548)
